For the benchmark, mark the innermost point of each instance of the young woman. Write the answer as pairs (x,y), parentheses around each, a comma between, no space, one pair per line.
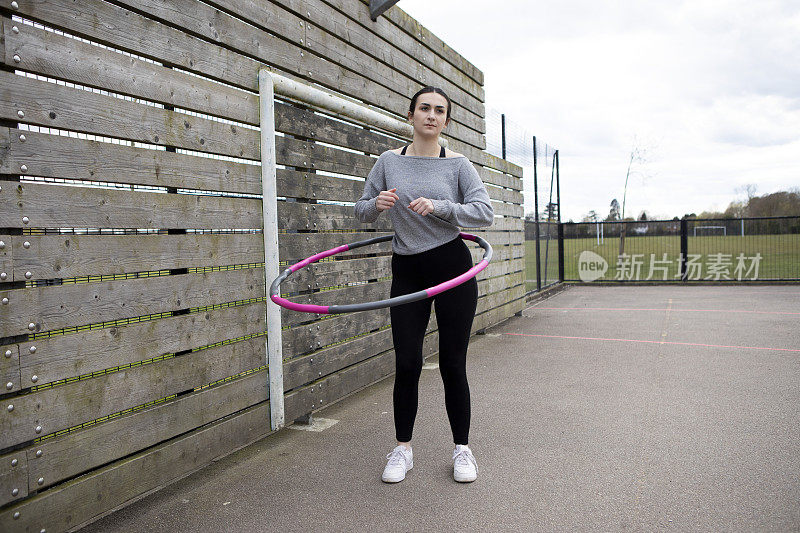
(429,192)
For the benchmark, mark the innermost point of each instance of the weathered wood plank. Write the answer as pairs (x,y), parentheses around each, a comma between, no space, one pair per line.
(74,453)
(505,195)
(9,368)
(67,405)
(501,238)
(499,179)
(102,490)
(69,256)
(307,338)
(329,45)
(509,210)
(431,41)
(497,299)
(54,156)
(343,68)
(499,283)
(56,106)
(13,476)
(335,273)
(349,295)
(78,354)
(294,247)
(502,268)
(498,314)
(54,55)
(321,217)
(123,480)
(306,123)
(501,253)
(343,24)
(404,52)
(485,159)
(45,53)
(507,224)
(6,249)
(55,206)
(61,306)
(160,42)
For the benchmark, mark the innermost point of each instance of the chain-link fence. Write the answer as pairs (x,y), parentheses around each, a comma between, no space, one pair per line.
(507,139)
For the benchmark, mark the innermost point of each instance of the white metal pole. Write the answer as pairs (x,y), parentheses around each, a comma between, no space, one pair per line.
(337,105)
(271,267)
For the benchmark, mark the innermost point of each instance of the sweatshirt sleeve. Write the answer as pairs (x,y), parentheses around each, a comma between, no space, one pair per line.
(476,210)
(376,182)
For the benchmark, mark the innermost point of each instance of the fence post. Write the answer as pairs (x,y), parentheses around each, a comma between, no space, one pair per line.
(684,248)
(503,133)
(536,218)
(558,187)
(269,204)
(560,252)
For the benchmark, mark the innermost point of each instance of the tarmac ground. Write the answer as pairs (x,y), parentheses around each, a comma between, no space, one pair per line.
(642,408)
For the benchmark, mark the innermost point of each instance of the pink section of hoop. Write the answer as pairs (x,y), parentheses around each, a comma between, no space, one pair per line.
(433,291)
(303,308)
(314,258)
(468,237)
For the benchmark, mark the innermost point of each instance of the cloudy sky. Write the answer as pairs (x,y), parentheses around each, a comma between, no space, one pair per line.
(710,89)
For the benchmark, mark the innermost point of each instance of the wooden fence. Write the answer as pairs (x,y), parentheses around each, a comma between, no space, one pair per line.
(132,321)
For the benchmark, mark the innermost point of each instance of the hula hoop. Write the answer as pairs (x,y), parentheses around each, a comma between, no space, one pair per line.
(274,291)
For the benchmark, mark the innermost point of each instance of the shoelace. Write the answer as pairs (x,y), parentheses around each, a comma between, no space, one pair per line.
(464,458)
(396,458)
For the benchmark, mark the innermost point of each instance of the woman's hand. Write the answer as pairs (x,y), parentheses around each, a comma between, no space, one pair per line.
(421,206)
(386,199)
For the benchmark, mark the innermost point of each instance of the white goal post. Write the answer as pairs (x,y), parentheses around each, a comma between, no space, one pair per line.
(723,228)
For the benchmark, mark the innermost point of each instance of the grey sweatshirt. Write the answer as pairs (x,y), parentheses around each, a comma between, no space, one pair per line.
(452,183)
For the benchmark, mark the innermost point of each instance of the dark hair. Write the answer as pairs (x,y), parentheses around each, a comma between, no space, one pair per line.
(424,90)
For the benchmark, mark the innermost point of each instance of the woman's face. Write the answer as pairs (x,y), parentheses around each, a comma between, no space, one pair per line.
(430,115)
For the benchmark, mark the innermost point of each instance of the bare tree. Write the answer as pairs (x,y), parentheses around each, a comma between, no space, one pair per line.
(637,158)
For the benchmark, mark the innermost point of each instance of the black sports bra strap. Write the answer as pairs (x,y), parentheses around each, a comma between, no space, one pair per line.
(441,152)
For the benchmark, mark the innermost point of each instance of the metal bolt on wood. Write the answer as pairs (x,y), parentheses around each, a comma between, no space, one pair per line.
(14,5)
(14,462)
(17,59)
(8,352)
(22,138)
(25,220)
(31,326)
(2,243)
(9,385)
(34,378)
(15,29)
(16,515)
(38,429)
(32,349)
(3,276)
(40,481)
(38,453)
(26,245)
(21,113)
(28,274)
(14,492)
(23,168)
(10,407)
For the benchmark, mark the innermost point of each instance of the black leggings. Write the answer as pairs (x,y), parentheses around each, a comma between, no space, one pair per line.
(455,310)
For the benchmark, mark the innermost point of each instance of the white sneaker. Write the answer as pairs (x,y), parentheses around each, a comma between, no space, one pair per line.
(400,461)
(465,468)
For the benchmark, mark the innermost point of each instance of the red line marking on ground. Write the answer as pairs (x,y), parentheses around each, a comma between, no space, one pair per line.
(664,309)
(655,342)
